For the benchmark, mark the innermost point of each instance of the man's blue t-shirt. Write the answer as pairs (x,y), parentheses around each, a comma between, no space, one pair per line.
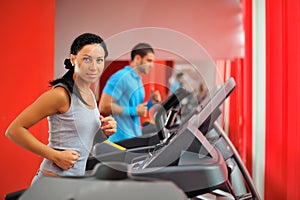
(126,87)
(174,87)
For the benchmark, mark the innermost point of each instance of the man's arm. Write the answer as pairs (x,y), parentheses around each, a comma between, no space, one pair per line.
(108,106)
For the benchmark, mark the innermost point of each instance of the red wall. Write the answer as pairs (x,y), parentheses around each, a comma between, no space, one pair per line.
(236,115)
(247,83)
(282,161)
(27,44)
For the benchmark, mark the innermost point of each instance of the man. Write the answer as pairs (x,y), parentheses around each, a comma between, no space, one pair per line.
(124,93)
(179,82)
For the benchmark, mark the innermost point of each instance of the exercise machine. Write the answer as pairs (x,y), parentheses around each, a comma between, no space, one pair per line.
(198,156)
(126,150)
(107,181)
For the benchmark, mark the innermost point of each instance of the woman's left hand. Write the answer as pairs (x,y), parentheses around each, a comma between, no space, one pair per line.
(108,125)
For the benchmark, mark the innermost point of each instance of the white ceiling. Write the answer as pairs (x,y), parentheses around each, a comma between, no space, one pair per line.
(190,29)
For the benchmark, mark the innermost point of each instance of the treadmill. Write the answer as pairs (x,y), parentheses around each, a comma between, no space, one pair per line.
(197,164)
(199,157)
(127,150)
(108,181)
(207,107)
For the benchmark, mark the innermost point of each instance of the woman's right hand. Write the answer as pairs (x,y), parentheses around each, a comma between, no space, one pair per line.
(66,159)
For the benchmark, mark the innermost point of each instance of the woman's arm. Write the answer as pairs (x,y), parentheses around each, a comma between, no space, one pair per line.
(108,125)
(51,102)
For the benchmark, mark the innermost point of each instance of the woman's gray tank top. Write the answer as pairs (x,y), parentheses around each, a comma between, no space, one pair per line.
(74,130)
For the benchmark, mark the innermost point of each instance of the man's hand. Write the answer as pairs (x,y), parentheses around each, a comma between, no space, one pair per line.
(155,96)
(142,109)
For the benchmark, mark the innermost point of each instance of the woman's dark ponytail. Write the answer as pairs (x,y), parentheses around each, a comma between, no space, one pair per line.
(67,79)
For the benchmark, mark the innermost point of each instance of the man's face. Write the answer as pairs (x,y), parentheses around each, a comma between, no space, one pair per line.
(146,63)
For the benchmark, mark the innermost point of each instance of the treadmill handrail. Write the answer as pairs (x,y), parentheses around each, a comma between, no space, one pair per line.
(173,100)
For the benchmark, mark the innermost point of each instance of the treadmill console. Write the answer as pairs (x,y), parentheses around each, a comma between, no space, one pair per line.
(188,137)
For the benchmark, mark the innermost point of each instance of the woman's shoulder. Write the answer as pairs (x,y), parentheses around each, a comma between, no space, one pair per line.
(60,91)
(60,98)
(58,95)
(55,100)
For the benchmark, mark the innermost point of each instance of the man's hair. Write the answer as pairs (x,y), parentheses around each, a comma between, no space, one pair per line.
(141,49)
(179,75)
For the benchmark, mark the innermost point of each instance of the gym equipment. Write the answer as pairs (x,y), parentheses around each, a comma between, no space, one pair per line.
(198,156)
(14,195)
(200,143)
(130,155)
(186,157)
(126,150)
(161,117)
(108,181)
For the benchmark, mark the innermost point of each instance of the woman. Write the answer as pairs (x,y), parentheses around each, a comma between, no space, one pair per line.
(71,110)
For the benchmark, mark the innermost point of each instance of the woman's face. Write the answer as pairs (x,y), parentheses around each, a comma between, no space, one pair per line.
(89,63)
